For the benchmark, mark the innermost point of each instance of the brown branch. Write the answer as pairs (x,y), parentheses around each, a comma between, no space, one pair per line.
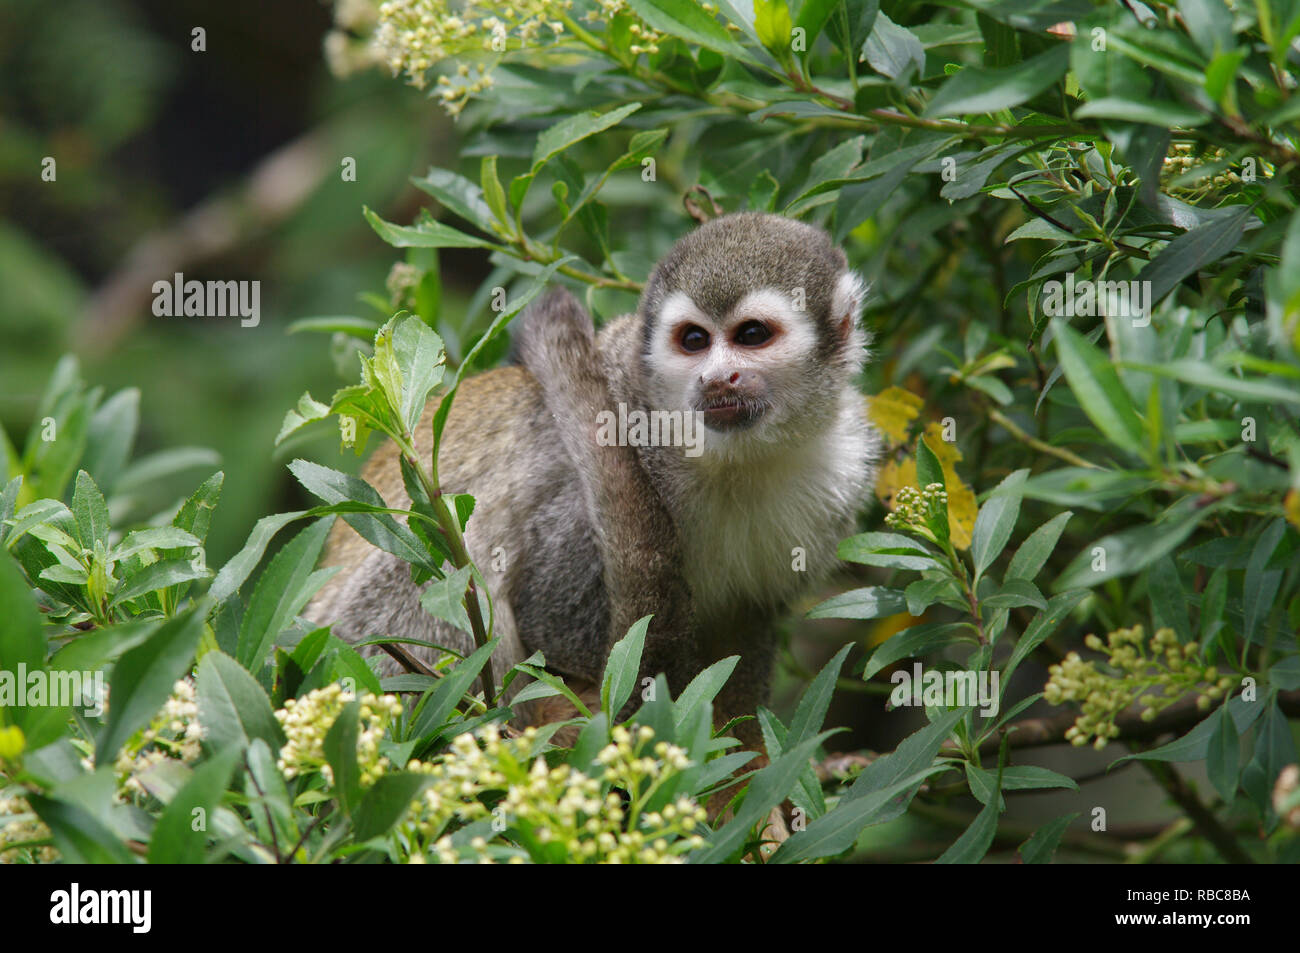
(407,660)
(1200,815)
(1038,732)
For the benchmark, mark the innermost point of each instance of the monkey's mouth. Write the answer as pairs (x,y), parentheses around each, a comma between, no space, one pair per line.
(731,414)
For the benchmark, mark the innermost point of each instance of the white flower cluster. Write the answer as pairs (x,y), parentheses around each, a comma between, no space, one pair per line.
(18,825)
(413,36)
(307,720)
(558,807)
(174,733)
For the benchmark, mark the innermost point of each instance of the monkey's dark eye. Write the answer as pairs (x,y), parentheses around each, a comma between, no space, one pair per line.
(753,334)
(694,338)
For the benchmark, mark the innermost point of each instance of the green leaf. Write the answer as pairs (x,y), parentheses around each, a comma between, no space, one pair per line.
(427,234)
(925,592)
(1037,548)
(340,747)
(1015,592)
(234,572)
(78,835)
(813,15)
(816,700)
(1040,847)
(90,511)
(175,839)
(110,436)
(838,829)
(143,679)
(976,840)
(418,351)
(233,707)
(381,529)
(872,602)
(996,520)
(1196,744)
(458,194)
(33,514)
(686,19)
(914,753)
(1194,250)
(363,329)
(767,788)
(155,576)
(1164,112)
(1025,777)
(567,132)
(703,688)
(978,90)
(1221,757)
(889,550)
(387,802)
(1042,626)
(283,589)
(622,669)
(1093,380)
(445,598)
(439,703)
(916,641)
(1213,379)
(268,794)
(22,642)
(1132,550)
(893,50)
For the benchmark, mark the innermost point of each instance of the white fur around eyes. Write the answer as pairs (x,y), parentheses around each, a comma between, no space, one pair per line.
(675,376)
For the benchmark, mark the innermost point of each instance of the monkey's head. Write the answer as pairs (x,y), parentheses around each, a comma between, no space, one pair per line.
(752,319)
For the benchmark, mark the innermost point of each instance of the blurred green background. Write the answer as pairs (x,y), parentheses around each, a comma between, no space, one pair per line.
(222,164)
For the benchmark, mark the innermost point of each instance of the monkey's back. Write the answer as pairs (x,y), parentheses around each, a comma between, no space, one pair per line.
(499,445)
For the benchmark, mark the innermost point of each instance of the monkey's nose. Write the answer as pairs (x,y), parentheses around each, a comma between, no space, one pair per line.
(735,380)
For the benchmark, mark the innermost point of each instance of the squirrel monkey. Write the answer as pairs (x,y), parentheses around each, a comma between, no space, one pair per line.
(742,356)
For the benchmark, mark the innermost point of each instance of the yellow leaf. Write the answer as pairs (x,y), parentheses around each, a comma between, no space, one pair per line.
(893,476)
(888,627)
(892,411)
(962,508)
(1291,506)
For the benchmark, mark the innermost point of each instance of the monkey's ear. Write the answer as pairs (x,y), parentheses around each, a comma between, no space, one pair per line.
(846,303)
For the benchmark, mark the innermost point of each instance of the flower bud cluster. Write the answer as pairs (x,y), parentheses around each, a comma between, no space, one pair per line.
(413,36)
(18,825)
(307,720)
(174,733)
(915,509)
(1154,673)
(573,816)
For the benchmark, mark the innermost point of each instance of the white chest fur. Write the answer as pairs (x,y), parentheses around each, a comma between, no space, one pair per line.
(764,531)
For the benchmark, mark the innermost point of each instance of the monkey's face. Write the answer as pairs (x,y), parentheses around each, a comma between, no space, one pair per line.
(751,320)
(757,372)
(733,368)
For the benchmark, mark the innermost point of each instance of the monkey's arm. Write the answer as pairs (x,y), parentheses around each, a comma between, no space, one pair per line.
(635,534)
